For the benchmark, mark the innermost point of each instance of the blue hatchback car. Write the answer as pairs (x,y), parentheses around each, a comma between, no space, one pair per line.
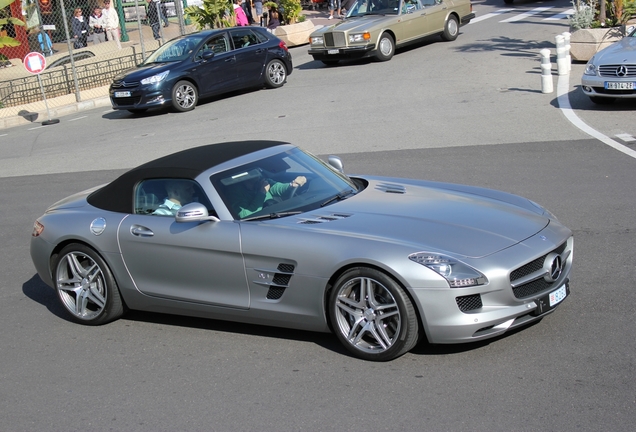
(203,64)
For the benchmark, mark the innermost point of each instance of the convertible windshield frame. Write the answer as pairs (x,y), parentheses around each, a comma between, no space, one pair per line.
(243,188)
(374,7)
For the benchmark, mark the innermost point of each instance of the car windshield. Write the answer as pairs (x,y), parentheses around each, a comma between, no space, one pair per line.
(175,50)
(374,7)
(285,184)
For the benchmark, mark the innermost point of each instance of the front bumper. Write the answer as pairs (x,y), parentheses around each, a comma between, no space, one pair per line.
(141,97)
(594,86)
(341,53)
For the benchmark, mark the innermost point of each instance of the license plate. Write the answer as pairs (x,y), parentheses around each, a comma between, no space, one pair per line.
(609,85)
(122,94)
(548,302)
(557,296)
(333,51)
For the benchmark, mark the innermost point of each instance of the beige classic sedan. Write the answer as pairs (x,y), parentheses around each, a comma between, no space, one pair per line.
(374,28)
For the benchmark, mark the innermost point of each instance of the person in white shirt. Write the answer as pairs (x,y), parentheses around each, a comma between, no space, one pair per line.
(96,23)
(180,193)
(111,22)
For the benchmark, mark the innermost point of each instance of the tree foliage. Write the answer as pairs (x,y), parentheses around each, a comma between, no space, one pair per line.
(212,14)
(5,19)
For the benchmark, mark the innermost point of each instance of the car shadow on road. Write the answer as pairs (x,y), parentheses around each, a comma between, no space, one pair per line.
(39,292)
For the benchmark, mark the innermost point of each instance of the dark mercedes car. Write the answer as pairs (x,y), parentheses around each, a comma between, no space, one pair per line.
(203,64)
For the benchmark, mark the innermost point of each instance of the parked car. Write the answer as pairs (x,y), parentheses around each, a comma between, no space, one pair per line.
(611,72)
(382,262)
(203,64)
(377,27)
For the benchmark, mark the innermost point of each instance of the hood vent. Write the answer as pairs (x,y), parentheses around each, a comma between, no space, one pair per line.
(323,218)
(390,188)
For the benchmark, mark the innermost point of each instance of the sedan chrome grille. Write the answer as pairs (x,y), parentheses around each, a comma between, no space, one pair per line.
(530,278)
(617,71)
(124,84)
(335,39)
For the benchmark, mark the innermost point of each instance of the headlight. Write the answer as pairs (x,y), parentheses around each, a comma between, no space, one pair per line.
(155,78)
(590,68)
(316,40)
(359,37)
(458,274)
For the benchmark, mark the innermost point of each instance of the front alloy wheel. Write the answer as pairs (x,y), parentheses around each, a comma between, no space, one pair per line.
(86,287)
(184,96)
(275,74)
(372,315)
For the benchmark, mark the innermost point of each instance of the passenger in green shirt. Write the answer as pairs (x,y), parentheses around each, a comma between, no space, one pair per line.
(250,197)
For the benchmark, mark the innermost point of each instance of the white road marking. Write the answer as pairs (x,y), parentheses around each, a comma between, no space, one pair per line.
(527,14)
(626,137)
(563,88)
(490,15)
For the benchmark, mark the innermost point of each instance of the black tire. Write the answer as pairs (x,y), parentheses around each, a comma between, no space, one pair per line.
(357,319)
(275,74)
(451,29)
(184,96)
(330,62)
(602,100)
(86,287)
(138,110)
(386,47)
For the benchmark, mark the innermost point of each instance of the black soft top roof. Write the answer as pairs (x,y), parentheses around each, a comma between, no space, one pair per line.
(117,196)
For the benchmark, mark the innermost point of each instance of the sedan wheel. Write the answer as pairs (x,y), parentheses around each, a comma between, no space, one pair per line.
(372,315)
(451,29)
(386,47)
(184,96)
(275,74)
(86,287)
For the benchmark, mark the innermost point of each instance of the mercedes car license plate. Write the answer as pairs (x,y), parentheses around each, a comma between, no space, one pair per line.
(122,94)
(609,85)
(333,51)
(557,296)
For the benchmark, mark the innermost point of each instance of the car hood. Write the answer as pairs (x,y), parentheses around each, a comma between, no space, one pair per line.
(429,218)
(623,51)
(140,72)
(358,23)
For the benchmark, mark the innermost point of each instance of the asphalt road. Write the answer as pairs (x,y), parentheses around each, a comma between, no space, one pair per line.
(415,116)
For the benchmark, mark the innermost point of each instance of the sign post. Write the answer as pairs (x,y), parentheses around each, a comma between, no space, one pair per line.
(35,63)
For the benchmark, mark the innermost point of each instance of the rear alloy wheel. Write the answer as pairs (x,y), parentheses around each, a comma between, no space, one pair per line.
(372,315)
(86,287)
(184,96)
(386,47)
(275,74)
(451,29)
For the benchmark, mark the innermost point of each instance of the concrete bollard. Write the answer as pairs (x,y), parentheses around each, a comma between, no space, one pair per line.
(562,66)
(546,71)
(568,56)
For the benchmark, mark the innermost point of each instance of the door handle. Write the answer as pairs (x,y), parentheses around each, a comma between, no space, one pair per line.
(141,231)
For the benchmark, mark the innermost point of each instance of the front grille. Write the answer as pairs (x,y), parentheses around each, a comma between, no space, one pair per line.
(335,39)
(535,286)
(611,71)
(124,84)
(468,303)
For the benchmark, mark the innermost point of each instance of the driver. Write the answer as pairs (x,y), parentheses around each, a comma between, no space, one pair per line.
(253,194)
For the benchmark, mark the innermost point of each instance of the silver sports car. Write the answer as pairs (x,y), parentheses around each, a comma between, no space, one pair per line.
(264,232)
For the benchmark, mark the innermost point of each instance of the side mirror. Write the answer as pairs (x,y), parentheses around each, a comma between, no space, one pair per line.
(336,163)
(194,212)
(207,54)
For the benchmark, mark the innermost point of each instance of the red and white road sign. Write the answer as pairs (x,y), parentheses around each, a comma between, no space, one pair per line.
(34,62)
